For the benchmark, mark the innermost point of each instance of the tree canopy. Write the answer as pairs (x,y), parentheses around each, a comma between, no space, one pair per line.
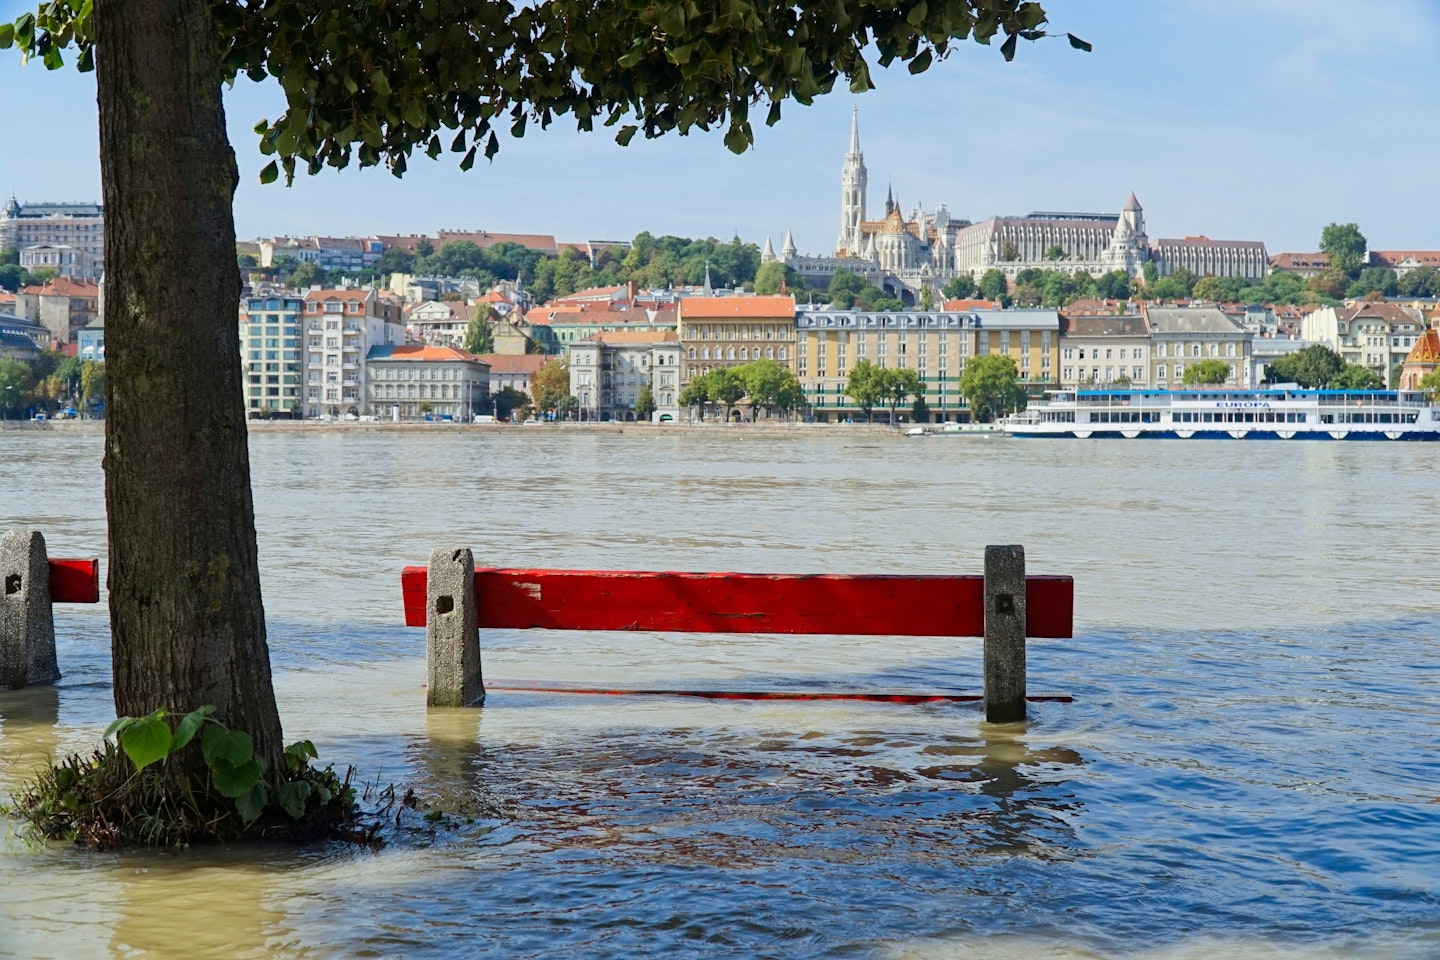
(552,385)
(374,82)
(991,386)
(1312,367)
(1207,373)
(1345,245)
(848,289)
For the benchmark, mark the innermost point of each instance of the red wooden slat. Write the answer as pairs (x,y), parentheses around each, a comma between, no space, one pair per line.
(412,587)
(74,581)
(745,603)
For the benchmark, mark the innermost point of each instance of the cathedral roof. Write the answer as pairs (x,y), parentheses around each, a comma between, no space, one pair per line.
(894,224)
(1427,348)
(1132,203)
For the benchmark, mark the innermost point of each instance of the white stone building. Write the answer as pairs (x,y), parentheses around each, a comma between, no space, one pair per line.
(609,369)
(409,382)
(1104,350)
(1375,335)
(72,233)
(1181,336)
(341,327)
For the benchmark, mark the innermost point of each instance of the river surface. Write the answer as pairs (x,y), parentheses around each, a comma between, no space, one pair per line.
(1250,767)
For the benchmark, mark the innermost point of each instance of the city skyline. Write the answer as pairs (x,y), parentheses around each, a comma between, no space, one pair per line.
(1234,120)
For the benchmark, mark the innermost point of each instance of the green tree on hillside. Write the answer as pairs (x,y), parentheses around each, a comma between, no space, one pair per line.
(959,288)
(772,276)
(1373,280)
(993,285)
(1420,282)
(1345,245)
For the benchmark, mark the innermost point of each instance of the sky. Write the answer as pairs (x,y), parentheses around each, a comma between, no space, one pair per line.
(1232,119)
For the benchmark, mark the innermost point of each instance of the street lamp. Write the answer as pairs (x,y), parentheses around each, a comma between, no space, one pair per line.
(10,389)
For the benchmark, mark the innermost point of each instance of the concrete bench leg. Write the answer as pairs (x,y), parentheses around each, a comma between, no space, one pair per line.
(27,623)
(452,637)
(1004,634)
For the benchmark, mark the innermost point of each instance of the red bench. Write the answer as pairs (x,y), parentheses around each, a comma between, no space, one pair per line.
(862,605)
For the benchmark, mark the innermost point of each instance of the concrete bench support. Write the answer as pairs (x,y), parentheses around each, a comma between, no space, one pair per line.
(452,633)
(1004,634)
(27,623)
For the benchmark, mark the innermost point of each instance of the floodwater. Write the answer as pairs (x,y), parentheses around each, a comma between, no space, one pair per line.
(1249,769)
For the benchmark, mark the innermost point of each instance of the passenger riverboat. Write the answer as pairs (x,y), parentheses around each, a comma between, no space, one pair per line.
(1219,414)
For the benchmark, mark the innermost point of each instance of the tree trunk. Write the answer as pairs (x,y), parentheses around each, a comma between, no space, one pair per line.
(187,624)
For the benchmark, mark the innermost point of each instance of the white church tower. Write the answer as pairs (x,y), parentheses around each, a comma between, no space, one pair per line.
(852,192)
(1129,248)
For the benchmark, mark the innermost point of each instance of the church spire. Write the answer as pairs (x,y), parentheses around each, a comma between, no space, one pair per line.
(854,131)
(789,251)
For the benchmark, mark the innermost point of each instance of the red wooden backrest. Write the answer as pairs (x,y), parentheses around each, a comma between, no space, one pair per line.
(745,602)
(74,581)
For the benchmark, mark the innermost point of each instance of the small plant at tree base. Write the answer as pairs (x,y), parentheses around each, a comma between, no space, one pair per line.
(138,789)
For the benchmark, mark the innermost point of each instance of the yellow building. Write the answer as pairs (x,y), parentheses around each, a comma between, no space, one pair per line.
(730,331)
(936,345)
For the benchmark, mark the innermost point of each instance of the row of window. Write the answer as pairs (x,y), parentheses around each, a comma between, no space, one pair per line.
(1073,353)
(1209,349)
(1136,374)
(722,353)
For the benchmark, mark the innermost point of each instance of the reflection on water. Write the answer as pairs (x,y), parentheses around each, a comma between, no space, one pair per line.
(1248,769)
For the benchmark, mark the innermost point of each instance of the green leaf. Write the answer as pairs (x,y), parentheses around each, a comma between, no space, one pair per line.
(252,803)
(234,779)
(1007,49)
(1079,44)
(7,35)
(221,743)
(270,173)
(379,83)
(292,796)
(116,725)
(190,725)
(146,740)
(626,134)
(469,160)
(921,63)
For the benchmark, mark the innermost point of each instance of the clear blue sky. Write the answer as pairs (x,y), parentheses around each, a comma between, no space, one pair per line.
(1237,119)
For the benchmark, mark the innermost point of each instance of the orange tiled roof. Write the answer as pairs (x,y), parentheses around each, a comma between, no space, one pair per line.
(428,352)
(719,308)
(1393,258)
(1426,349)
(337,294)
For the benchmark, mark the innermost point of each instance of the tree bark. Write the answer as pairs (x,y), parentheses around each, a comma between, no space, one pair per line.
(187,623)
